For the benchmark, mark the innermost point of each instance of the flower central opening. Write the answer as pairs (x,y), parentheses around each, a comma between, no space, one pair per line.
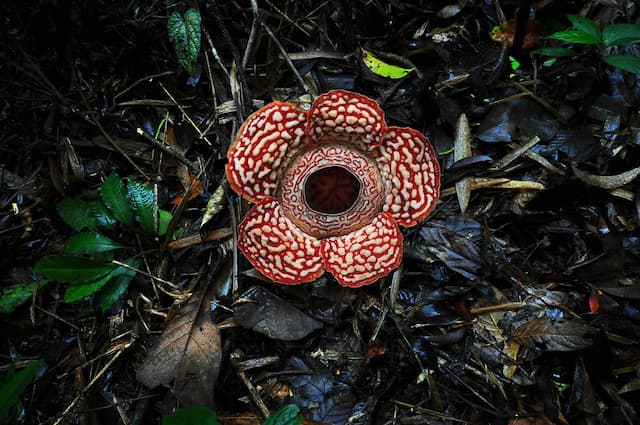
(331,190)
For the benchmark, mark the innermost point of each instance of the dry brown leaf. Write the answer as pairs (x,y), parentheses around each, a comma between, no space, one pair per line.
(554,335)
(188,353)
(462,151)
(607,182)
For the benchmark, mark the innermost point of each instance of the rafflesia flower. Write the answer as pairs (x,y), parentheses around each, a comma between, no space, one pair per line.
(331,187)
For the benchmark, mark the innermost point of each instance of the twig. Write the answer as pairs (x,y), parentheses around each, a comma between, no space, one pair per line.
(187,117)
(257,16)
(91,383)
(264,410)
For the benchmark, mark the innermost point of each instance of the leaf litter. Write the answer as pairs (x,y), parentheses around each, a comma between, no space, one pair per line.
(516,301)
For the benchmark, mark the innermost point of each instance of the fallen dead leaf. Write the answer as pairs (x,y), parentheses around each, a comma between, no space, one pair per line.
(188,352)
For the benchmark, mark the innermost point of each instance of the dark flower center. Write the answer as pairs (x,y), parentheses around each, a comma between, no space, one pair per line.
(331,190)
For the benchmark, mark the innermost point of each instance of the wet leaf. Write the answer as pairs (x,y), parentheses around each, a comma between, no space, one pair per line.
(80,214)
(13,387)
(142,202)
(457,252)
(118,285)
(185,36)
(554,335)
(188,352)
(626,62)
(72,269)
(114,196)
(382,68)
(272,316)
(82,290)
(90,243)
(621,34)
(585,25)
(288,415)
(192,415)
(14,296)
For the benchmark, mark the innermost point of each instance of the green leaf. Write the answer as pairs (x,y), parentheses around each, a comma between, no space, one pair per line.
(90,243)
(118,285)
(164,217)
(114,196)
(142,202)
(194,415)
(11,390)
(80,214)
(185,36)
(585,25)
(555,52)
(14,296)
(382,68)
(82,290)
(621,34)
(288,415)
(626,62)
(574,36)
(70,269)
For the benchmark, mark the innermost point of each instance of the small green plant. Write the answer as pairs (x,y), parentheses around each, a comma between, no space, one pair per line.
(87,264)
(13,385)
(587,32)
(185,36)
(200,415)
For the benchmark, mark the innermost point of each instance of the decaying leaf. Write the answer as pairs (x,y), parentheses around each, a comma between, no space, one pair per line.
(463,151)
(272,316)
(188,353)
(607,182)
(554,335)
(454,249)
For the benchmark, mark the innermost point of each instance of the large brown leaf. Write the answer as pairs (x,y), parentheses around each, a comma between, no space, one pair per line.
(188,353)
(554,335)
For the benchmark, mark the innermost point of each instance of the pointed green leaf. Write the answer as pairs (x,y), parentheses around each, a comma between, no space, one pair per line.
(14,296)
(193,415)
(288,415)
(382,68)
(164,218)
(185,36)
(555,52)
(626,62)
(82,290)
(574,36)
(11,390)
(118,285)
(142,202)
(90,243)
(585,25)
(114,196)
(70,269)
(621,34)
(80,214)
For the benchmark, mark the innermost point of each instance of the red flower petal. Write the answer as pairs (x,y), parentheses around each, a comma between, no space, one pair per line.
(410,168)
(362,257)
(343,116)
(262,147)
(276,247)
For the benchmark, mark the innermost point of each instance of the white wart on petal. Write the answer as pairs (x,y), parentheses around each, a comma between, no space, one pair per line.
(274,245)
(365,255)
(411,174)
(262,148)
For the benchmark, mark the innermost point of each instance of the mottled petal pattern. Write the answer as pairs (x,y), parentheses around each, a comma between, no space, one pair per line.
(365,255)
(410,169)
(342,116)
(260,151)
(276,247)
